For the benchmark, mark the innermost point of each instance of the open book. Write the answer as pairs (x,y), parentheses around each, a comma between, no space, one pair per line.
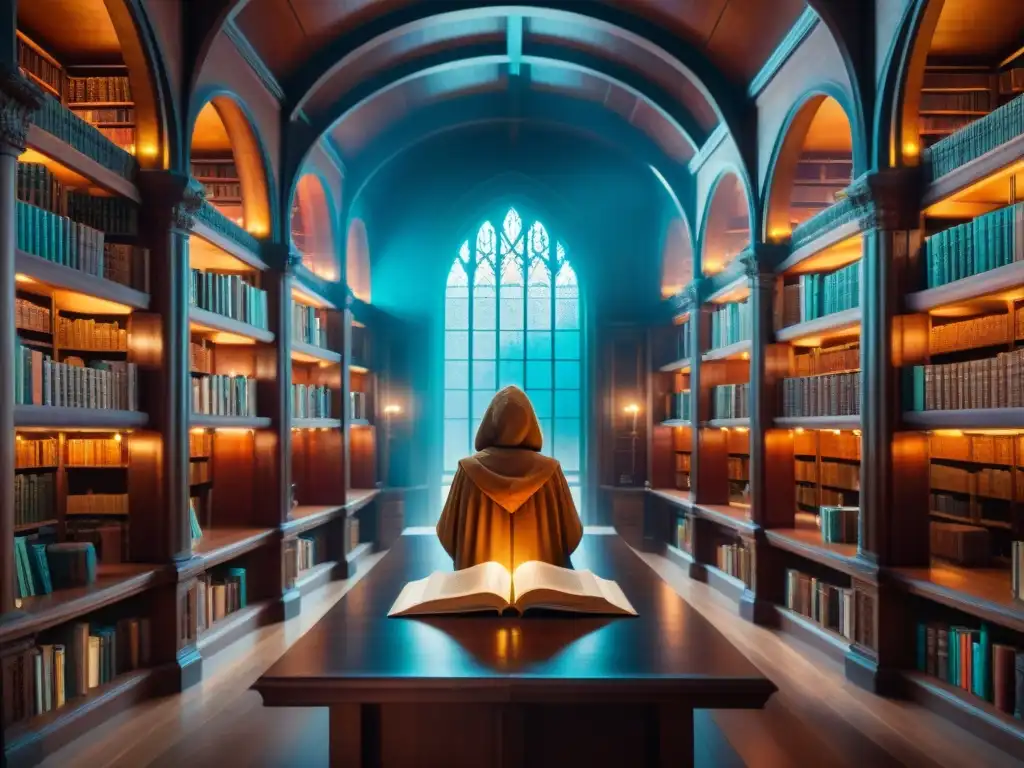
(490,587)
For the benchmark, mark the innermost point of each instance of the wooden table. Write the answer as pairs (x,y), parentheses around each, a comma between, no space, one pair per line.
(504,691)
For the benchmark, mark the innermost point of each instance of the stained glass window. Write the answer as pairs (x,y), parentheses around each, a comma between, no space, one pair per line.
(512,316)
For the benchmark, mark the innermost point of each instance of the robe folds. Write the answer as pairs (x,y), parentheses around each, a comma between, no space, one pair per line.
(507,502)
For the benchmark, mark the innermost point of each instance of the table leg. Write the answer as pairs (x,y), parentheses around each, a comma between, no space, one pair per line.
(354,735)
(675,736)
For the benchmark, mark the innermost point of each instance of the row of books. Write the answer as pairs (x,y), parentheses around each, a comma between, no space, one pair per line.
(817,295)
(112,215)
(956,506)
(30,60)
(81,657)
(91,335)
(65,125)
(229,295)
(839,524)
(59,239)
(986,242)
(1016,575)
(837,474)
(102,384)
(201,356)
(815,497)
(98,504)
(35,452)
(832,607)
(123,116)
(198,472)
(1000,126)
(992,382)
(675,344)
(986,481)
(220,395)
(969,546)
(980,449)
(956,101)
(735,560)
(94,451)
(730,401)
(731,323)
(831,394)
(311,402)
(217,192)
(985,331)
(944,124)
(307,551)
(829,445)
(677,406)
(34,498)
(92,89)
(221,594)
(738,468)
(200,444)
(827,360)
(359,406)
(214,169)
(833,167)
(29,316)
(309,325)
(684,534)
(968,659)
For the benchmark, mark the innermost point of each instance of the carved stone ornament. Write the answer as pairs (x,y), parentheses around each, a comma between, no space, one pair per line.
(184,212)
(293,260)
(19,99)
(887,199)
(686,299)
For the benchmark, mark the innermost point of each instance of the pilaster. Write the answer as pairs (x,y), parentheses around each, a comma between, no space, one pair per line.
(19,99)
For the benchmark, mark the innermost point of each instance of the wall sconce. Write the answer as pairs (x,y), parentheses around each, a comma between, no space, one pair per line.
(392,409)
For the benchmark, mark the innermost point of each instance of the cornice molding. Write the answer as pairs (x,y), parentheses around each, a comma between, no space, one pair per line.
(241,42)
(707,148)
(801,28)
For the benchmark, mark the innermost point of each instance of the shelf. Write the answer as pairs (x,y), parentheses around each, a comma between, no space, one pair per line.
(307,517)
(731,352)
(675,423)
(811,632)
(974,172)
(830,250)
(733,516)
(33,526)
(679,366)
(359,551)
(359,423)
(968,418)
(207,421)
(730,586)
(735,290)
(75,290)
(980,592)
(310,353)
(225,330)
(233,626)
(74,168)
(315,577)
(969,294)
(681,499)
(222,243)
(315,423)
(219,545)
(971,712)
(742,423)
(113,584)
(98,705)
(357,498)
(806,542)
(818,422)
(59,417)
(814,333)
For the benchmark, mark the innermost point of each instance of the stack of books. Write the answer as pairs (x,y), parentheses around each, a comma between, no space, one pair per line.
(221,594)
(35,452)
(677,405)
(993,382)
(730,324)
(966,545)
(981,136)
(735,560)
(87,139)
(311,402)
(309,324)
(89,334)
(34,498)
(100,384)
(830,394)
(839,524)
(97,504)
(817,295)
(731,401)
(986,242)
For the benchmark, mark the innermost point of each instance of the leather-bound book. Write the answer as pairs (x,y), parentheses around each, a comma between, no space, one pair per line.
(1019,686)
(1003,674)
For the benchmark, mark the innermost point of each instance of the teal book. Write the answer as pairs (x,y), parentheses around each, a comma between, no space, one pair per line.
(239,573)
(40,569)
(984,664)
(922,648)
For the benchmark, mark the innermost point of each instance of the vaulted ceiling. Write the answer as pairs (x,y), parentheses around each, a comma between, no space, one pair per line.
(665,72)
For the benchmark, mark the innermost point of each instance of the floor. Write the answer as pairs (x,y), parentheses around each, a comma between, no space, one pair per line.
(817,718)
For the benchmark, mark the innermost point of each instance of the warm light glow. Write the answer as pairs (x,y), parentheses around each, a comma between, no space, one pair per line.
(856,433)
(745,356)
(799,430)
(837,431)
(358,369)
(392,408)
(725,429)
(741,429)
(668,291)
(632,408)
(778,234)
(233,430)
(18,437)
(947,433)
(910,149)
(259,230)
(117,437)
(20,278)
(198,431)
(149,150)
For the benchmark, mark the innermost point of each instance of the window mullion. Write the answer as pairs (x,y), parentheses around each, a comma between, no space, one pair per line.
(470,347)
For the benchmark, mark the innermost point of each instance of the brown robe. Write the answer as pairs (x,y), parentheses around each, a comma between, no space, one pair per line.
(508,503)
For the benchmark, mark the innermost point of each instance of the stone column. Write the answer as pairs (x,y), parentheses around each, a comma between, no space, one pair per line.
(19,99)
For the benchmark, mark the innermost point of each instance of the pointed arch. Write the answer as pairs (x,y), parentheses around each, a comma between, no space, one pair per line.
(676,258)
(512,317)
(726,223)
(313,227)
(357,261)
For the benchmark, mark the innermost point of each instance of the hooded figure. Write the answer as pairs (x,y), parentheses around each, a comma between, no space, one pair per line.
(508,503)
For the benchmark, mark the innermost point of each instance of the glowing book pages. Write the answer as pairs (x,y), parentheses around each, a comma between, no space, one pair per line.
(490,587)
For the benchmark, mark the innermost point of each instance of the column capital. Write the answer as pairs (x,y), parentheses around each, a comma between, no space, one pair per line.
(758,262)
(888,199)
(19,99)
(176,194)
(687,299)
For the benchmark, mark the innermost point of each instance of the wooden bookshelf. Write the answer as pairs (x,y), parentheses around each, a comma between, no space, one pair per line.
(75,168)
(53,417)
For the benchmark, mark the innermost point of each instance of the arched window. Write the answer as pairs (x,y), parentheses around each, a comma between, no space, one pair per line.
(512,316)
